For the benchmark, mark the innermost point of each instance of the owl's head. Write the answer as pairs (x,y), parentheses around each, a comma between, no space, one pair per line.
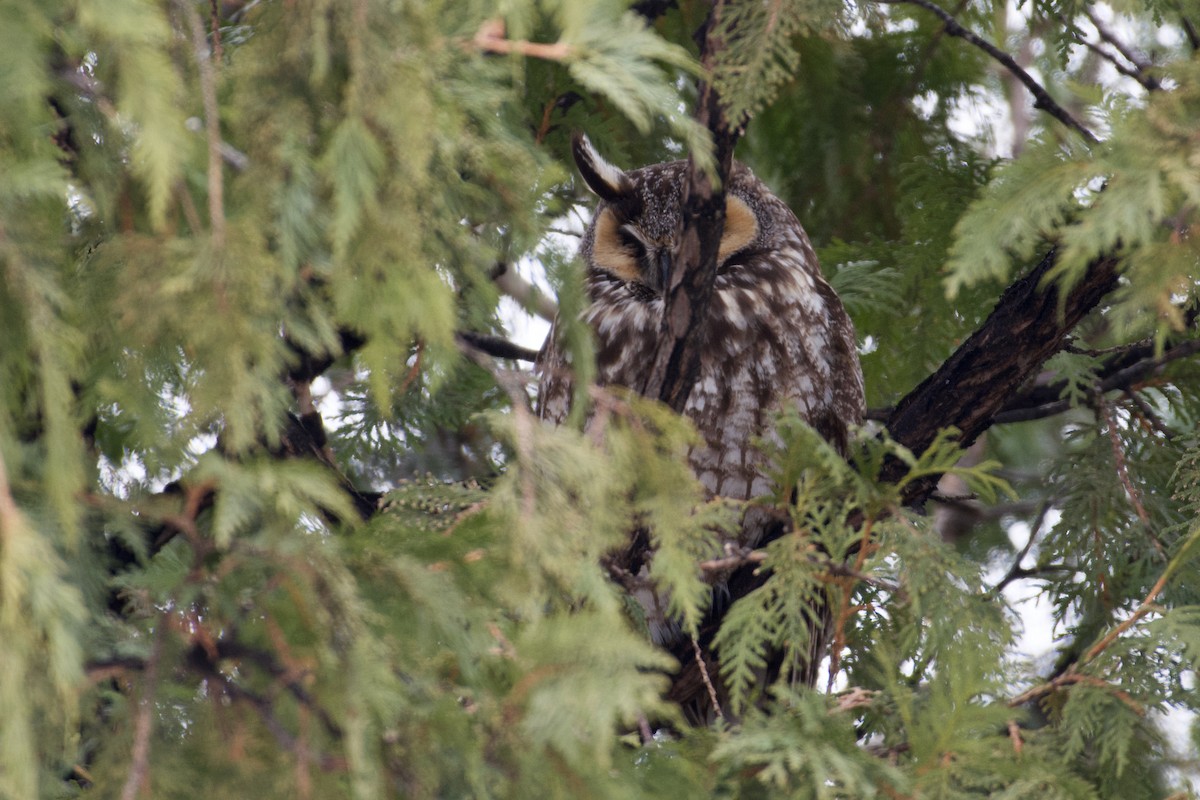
(634,234)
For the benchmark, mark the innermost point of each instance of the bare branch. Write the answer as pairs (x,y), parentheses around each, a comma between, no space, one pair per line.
(1130,55)
(212,123)
(496,346)
(490,39)
(683,331)
(1015,571)
(143,721)
(1149,83)
(1041,98)
(1123,377)
(529,296)
(708,684)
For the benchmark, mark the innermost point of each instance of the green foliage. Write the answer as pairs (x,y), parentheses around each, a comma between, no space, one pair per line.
(805,751)
(1130,196)
(759,51)
(221,574)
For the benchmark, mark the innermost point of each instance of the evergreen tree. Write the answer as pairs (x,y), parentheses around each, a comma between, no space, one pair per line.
(276,521)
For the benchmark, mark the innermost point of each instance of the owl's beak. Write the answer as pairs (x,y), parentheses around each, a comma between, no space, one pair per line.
(662,265)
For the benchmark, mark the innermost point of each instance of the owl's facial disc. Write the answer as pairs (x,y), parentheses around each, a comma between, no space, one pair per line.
(741,228)
(621,249)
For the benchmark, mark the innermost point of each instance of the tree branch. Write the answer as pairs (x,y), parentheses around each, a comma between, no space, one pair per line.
(496,346)
(1121,374)
(143,720)
(1139,61)
(1041,98)
(212,123)
(1028,325)
(683,332)
(529,296)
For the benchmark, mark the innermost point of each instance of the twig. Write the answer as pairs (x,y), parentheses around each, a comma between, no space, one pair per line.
(496,346)
(853,699)
(1072,675)
(1106,35)
(189,208)
(708,684)
(1148,82)
(214,16)
(844,571)
(1120,379)
(1147,605)
(644,729)
(1148,416)
(1014,735)
(733,561)
(834,568)
(212,122)
(1015,570)
(284,737)
(1123,469)
(267,661)
(413,371)
(490,38)
(847,583)
(143,721)
(529,296)
(1069,678)
(523,422)
(1042,98)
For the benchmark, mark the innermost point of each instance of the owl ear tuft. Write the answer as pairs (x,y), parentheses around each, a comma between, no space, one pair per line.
(607,180)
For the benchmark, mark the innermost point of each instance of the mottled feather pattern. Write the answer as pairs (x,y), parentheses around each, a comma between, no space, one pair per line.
(777,335)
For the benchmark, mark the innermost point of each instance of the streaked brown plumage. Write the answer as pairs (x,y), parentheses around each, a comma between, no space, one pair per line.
(777,335)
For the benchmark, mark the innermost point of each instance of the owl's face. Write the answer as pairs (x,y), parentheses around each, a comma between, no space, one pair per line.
(775,335)
(634,235)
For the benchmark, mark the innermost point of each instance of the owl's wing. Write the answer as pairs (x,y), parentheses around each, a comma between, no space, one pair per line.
(555,380)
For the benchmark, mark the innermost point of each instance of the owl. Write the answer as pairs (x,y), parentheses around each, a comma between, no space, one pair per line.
(776,336)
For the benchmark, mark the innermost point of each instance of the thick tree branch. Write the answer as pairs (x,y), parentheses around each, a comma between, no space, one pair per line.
(1123,371)
(1029,324)
(1041,98)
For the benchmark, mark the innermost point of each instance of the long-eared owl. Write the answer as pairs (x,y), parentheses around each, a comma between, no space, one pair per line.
(777,335)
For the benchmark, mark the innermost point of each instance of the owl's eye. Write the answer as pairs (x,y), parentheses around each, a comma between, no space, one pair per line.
(631,243)
(617,249)
(741,226)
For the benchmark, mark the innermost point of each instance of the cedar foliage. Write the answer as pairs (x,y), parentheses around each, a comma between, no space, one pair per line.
(208,588)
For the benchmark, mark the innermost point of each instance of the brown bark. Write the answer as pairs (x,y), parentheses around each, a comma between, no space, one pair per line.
(677,359)
(1029,324)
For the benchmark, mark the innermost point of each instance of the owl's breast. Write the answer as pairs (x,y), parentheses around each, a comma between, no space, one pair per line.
(777,339)
(627,333)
